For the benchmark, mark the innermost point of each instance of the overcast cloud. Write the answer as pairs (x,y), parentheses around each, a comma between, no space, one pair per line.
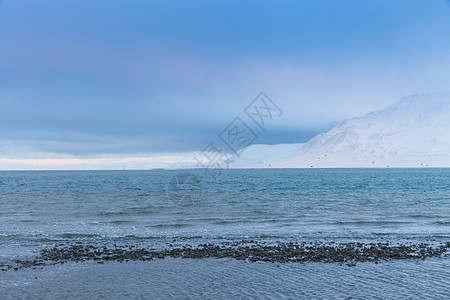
(89,79)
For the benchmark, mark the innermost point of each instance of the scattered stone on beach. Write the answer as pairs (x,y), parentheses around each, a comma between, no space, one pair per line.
(253,251)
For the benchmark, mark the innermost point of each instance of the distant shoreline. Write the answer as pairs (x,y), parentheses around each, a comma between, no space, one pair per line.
(199,169)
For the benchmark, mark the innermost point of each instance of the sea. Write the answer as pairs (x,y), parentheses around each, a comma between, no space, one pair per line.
(155,208)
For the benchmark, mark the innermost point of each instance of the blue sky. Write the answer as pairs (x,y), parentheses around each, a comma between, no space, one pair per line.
(121,79)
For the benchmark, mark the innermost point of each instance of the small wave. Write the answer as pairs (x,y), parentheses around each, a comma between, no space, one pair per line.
(177,225)
(117,222)
(132,236)
(382,233)
(110,222)
(370,222)
(30,221)
(228,222)
(132,188)
(254,221)
(131,212)
(77,235)
(420,216)
(112,213)
(442,222)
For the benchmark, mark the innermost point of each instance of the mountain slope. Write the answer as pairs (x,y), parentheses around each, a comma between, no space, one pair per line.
(413,132)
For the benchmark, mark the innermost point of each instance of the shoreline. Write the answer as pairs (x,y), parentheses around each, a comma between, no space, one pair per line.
(348,253)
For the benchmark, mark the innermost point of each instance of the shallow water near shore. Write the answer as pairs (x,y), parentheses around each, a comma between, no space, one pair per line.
(141,208)
(231,279)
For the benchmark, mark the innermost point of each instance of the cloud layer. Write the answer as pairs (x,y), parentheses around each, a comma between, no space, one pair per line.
(87,79)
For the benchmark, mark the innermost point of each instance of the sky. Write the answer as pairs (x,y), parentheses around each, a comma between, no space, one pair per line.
(111,84)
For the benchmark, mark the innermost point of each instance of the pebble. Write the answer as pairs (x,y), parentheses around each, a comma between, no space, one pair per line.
(252,251)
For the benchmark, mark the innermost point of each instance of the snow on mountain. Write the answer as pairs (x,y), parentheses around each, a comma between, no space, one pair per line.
(413,132)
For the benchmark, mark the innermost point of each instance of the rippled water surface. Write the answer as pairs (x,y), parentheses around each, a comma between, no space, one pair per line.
(41,209)
(229,279)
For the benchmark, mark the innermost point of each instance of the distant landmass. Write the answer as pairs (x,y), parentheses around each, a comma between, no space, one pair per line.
(413,132)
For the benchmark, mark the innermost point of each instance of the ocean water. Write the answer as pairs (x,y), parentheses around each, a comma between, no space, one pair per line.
(156,207)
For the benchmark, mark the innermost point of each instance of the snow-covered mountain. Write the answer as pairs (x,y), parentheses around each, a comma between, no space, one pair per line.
(413,132)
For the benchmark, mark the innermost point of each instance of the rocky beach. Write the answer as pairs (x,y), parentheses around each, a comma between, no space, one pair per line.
(252,251)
